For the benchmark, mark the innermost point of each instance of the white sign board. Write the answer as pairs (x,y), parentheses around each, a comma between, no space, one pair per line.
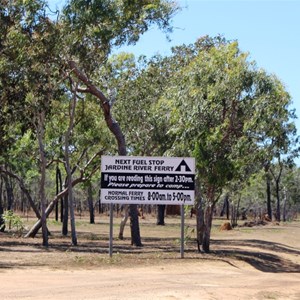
(147,180)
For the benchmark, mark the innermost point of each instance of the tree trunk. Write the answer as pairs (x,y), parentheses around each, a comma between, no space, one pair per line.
(65,215)
(100,209)
(62,209)
(269,204)
(161,214)
(123,222)
(208,216)
(277,179)
(115,128)
(9,193)
(277,202)
(68,168)
(58,189)
(40,136)
(200,223)
(284,205)
(237,211)
(205,213)
(72,214)
(134,226)
(2,223)
(199,214)
(91,204)
(35,228)
(24,189)
(226,207)
(70,201)
(23,204)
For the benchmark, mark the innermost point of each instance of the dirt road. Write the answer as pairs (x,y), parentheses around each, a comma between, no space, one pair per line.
(257,263)
(183,280)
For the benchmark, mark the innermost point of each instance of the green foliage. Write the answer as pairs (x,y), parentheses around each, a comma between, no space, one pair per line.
(140,107)
(13,222)
(205,100)
(93,28)
(253,192)
(229,115)
(189,234)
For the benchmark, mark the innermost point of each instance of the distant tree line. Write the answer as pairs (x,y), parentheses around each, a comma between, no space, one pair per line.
(65,101)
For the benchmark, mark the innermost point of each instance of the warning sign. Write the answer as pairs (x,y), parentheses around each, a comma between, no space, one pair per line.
(147,180)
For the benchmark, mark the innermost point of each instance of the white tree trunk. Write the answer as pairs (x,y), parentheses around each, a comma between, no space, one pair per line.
(123,222)
(40,135)
(68,168)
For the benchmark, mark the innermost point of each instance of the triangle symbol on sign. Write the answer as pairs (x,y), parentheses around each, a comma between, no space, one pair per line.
(183,164)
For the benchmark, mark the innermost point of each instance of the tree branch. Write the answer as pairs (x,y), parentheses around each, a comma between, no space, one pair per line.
(23,188)
(34,230)
(105,105)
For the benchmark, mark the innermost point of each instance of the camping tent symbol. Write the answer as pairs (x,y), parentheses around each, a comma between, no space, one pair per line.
(183,167)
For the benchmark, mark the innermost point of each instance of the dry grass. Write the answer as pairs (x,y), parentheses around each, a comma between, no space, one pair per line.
(267,248)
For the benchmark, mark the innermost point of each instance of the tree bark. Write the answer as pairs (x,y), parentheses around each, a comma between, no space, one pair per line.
(208,216)
(161,215)
(284,205)
(134,226)
(91,204)
(225,207)
(9,193)
(115,128)
(23,188)
(35,228)
(58,189)
(40,136)
(204,218)
(200,223)
(111,123)
(199,214)
(123,222)
(278,213)
(62,209)
(64,229)
(68,168)
(269,204)
(2,223)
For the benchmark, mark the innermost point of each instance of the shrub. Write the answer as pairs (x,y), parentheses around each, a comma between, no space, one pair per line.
(13,222)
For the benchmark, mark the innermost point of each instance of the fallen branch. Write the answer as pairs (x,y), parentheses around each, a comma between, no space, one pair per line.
(35,228)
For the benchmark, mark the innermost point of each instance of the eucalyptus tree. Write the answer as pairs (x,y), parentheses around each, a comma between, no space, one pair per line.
(290,192)
(28,81)
(281,171)
(273,131)
(141,84)
(11,79)
(143,110)
(276,172)
(253,194)
(75,139)
(92,30)
(87,31)
(209,120)
(219,119)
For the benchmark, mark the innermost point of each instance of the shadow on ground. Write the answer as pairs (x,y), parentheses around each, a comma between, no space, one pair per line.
(263,255)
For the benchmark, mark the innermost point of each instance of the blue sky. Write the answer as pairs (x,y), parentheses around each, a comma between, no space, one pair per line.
(268,30)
